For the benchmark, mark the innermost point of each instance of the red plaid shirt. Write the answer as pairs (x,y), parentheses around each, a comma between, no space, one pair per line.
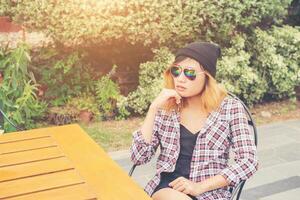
(225,128)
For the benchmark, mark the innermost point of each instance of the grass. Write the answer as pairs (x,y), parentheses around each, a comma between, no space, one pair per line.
(117,135)
(280,111)
(113,135)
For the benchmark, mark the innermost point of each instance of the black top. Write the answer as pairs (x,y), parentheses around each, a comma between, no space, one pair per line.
(187,144)
(182,168)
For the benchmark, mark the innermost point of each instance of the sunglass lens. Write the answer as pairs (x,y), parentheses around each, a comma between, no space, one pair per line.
(175,71)
(190,74)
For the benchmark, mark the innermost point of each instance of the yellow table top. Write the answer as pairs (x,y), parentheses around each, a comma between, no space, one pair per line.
(61,162)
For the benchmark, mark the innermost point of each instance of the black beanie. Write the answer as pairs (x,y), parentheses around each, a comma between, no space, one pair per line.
(204,52)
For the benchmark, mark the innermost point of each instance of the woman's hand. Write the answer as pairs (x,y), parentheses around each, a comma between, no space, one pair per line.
(164,96)
(186,186)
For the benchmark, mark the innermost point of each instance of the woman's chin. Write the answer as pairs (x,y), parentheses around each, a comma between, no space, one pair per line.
(186,95)
(183,94)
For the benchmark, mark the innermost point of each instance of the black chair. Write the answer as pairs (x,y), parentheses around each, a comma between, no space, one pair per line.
(236,193)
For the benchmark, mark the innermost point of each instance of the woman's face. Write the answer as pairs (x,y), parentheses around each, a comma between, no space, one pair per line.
(186,87)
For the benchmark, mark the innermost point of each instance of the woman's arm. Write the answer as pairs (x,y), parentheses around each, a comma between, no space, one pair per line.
(147,126)
(211,183)
(243,146)
(145,141)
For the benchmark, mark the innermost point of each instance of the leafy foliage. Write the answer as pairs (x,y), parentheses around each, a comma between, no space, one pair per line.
(63,75)
(85,102)
(108,95)
(276,56)
(150,80)
(18,90)
(149,22)
(260,55)
(254,68)
(235,72)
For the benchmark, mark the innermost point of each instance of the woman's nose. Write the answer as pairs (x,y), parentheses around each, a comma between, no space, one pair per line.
(181,77)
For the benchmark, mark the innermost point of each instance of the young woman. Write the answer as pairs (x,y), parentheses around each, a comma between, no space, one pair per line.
(195,123)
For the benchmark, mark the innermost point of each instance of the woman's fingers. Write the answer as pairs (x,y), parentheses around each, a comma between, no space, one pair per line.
(181,184)
(176,185)
(164,96)
(175,181)
(177,97)
(180,188)
(186,191)
(173,94)
(177,101)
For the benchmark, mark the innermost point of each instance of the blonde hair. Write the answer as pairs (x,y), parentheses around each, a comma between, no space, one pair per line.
(211,96)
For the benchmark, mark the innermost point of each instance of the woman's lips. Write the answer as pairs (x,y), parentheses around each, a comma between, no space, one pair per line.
(180,88)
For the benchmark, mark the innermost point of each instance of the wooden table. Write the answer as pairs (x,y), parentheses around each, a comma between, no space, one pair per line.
(61,163)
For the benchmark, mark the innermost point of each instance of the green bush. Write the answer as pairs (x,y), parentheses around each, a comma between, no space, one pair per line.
(71,111)
(5,8)
(257,63)
(109,98)
(85,101)
(245,68)
(150,81)
(122,108)
(276,56)
(149,22)
(18,88)
(238,77)
(64,75)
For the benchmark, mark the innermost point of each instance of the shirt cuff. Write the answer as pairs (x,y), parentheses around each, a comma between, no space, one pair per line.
(230,176)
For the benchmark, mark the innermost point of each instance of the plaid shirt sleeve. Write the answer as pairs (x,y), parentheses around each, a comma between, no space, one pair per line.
(141,151)
(244,149)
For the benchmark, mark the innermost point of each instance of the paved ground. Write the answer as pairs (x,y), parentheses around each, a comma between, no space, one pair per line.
(278,177)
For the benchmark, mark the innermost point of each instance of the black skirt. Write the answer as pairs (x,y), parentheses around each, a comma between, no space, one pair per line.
(166,178)
(182,168)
